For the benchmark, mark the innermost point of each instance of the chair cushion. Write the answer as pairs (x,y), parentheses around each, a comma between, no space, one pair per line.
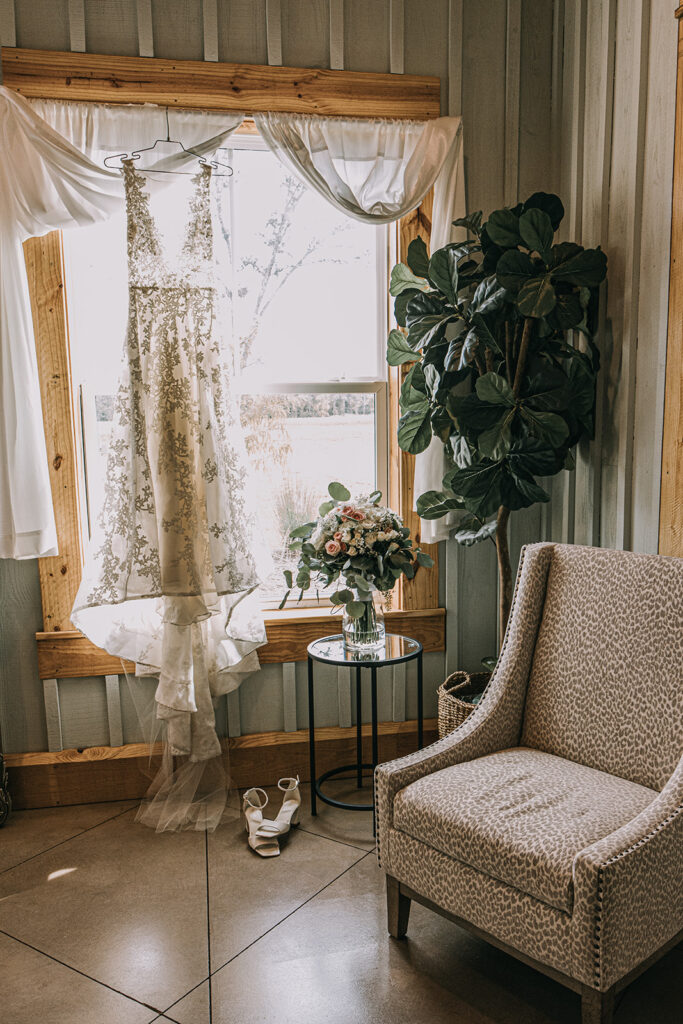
(519,815)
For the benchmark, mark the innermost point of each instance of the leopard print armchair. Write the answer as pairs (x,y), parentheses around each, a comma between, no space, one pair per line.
(550,822)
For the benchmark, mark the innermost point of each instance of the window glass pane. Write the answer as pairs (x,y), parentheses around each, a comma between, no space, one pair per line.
(299,443)
(306,288)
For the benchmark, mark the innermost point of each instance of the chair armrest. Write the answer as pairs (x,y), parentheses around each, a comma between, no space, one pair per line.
(497,721)
(628,887)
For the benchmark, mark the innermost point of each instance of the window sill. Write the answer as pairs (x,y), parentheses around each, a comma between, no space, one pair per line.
(69,654)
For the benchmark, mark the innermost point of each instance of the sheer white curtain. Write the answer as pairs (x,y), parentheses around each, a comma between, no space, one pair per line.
(52,176)
(378,171)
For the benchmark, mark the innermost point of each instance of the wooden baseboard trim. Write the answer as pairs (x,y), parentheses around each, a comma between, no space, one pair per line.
(101,774)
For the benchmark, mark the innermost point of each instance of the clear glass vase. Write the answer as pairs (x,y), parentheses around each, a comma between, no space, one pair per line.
(365,634)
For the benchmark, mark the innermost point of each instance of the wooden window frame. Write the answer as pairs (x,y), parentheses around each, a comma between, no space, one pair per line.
(62,650)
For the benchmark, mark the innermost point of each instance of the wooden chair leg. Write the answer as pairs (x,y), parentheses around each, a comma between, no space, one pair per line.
(597,1007)
(398,909)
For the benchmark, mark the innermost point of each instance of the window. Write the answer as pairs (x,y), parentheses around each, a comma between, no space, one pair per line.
(306,291)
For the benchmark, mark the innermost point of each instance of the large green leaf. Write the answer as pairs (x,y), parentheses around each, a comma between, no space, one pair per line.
(400,303)
(414,431)
(471,414)
(402,277)
(426,319)
(536,230)
(568,311)
(417,257)
(469,347)
(502,228)
(563,251)
(496,442)
(488,297)
(472,222)
(472,530)
(480,486)
(530,490)
(441,422)
(483,333)
(536,297)
(435,505)
(494,389)
(586,268)
(414,390)
(460,450)
(547,426)
(423,559)
(443,270)
(398,349)
(549,203)
(532,457)
(453,353)
(514,269)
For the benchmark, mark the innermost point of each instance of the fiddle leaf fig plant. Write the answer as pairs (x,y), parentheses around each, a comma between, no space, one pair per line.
(498,335)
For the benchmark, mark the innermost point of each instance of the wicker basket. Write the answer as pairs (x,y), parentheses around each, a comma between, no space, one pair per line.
(453,705)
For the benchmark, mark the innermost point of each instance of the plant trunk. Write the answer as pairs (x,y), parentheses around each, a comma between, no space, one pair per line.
(504,569)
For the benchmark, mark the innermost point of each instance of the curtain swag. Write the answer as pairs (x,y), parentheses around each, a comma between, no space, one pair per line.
(52,176)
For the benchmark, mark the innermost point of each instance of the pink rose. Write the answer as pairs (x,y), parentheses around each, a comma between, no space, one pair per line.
(332,547)
(358,516)
(337,535)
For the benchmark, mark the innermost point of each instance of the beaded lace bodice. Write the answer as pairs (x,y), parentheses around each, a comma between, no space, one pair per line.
(148,263)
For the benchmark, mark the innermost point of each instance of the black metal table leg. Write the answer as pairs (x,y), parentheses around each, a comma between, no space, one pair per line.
(419,702)
(375,754)
(311,735)
(359,731)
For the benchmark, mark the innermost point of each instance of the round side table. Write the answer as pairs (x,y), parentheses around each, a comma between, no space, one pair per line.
(330,650)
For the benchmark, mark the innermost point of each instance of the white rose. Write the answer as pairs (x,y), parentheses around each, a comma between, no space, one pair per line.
(351,552)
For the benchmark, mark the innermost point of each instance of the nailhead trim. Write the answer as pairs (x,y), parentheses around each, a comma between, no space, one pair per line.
(597,936)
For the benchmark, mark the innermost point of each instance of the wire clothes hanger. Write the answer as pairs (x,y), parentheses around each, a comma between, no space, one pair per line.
(136,153)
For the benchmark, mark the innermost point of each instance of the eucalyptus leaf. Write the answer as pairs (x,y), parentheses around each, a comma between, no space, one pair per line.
(355,609)
(423,559)
(283,602)
(398,349)
(338,491)
(303,531)
(402,277)
(326,507)
(375,497)
(288,578)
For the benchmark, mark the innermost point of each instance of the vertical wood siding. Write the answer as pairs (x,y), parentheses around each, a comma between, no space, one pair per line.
(574,97)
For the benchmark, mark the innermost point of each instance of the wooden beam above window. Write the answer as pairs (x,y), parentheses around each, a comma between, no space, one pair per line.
(209,85)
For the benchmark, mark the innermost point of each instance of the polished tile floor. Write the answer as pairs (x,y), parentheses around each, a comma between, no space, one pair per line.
(104,922)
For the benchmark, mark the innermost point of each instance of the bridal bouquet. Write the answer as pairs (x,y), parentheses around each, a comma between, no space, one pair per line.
(360,542)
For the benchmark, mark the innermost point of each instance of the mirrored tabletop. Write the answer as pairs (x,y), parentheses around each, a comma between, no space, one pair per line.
(331,649)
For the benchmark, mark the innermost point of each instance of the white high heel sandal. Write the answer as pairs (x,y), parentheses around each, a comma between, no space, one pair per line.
(288,814)
(262,834)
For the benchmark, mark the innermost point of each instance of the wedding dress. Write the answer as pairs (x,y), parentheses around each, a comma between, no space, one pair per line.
(171,583)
